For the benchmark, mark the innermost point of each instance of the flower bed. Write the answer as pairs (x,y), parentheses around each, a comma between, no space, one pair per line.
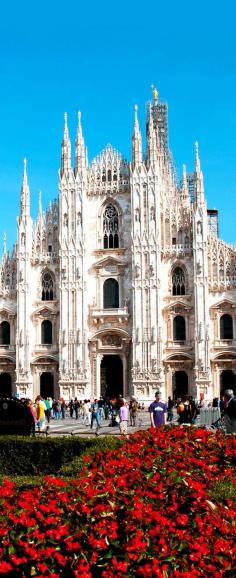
(143,510)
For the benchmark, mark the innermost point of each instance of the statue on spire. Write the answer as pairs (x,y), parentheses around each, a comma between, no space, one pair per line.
(155,94)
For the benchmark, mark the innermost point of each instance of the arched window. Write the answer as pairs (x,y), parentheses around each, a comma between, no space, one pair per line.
(47,287)
(178,282)
(5,333)
(179,328)
(46,332)
(110,228)
(111,294)
(226,327)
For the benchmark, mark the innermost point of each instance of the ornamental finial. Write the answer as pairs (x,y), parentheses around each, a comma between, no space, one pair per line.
(155,93)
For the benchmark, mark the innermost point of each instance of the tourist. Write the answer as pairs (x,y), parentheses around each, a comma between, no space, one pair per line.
(63,408)
(194,410)
(133,409)
(101,403)
(32,408)
(114,409)
(107,408)
(40,413)
(56,406)
(230,411)
(170,408)
(87,412)
(80,408)
(123,417)
(184,411)
(50,405)
(48,409)
(76,407)
(95,414)
(157,411)
(216,402)
(71,407)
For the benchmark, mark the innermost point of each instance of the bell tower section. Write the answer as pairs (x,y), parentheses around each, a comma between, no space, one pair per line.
(72,335)
(147,373)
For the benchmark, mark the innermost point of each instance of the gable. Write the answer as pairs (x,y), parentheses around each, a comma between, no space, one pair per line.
(109,262)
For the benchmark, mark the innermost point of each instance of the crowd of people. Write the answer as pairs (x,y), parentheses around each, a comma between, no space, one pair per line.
(120,412)
(188,410)
(117,410)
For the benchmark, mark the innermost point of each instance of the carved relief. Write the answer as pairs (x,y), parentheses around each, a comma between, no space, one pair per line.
(111,340)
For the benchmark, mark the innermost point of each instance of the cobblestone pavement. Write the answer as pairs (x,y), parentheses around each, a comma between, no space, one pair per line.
(71,426)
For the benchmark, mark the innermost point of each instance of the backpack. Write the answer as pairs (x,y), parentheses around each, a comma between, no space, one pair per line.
(180,408)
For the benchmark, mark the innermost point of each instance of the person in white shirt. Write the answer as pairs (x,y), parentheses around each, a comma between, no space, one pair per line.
(87,412)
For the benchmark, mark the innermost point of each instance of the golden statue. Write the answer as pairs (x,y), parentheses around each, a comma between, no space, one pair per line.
(155,93)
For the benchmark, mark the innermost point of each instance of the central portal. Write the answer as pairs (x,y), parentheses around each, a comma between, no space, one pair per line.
(111,376)
(180,384)
(46,385)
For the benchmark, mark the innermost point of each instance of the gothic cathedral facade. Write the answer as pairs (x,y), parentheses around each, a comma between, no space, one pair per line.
(122,286)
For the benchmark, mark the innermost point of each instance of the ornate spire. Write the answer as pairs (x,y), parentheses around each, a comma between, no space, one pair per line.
(185,192)
(4,245)
(25,194)
(40,204)
(197,160)
(136,140)
(199,185)
(65,148)
(80,153)
(151,156)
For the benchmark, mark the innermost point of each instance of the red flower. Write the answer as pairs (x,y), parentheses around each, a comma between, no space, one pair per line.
(120,565)
(5,567)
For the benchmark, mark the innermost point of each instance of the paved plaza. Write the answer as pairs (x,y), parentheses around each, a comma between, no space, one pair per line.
(76,427)
(72,426)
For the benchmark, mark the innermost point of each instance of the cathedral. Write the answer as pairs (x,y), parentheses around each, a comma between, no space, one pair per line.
(122,286)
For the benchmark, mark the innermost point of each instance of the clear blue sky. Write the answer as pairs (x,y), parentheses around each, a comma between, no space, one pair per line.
(101,58)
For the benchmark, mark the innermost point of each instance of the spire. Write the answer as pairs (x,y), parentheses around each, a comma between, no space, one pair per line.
(136,140)
(80,153)
(4,245)
(199,185)
(25,194)
(185,192)
(65,148)
(40,204)
(151,156)
(197,160)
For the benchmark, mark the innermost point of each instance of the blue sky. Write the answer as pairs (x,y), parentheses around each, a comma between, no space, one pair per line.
(101,58)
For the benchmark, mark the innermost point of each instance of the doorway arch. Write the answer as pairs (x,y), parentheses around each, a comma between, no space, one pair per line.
(179,384)
(112,376)
(46,385)
(227,380)
(5,385)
